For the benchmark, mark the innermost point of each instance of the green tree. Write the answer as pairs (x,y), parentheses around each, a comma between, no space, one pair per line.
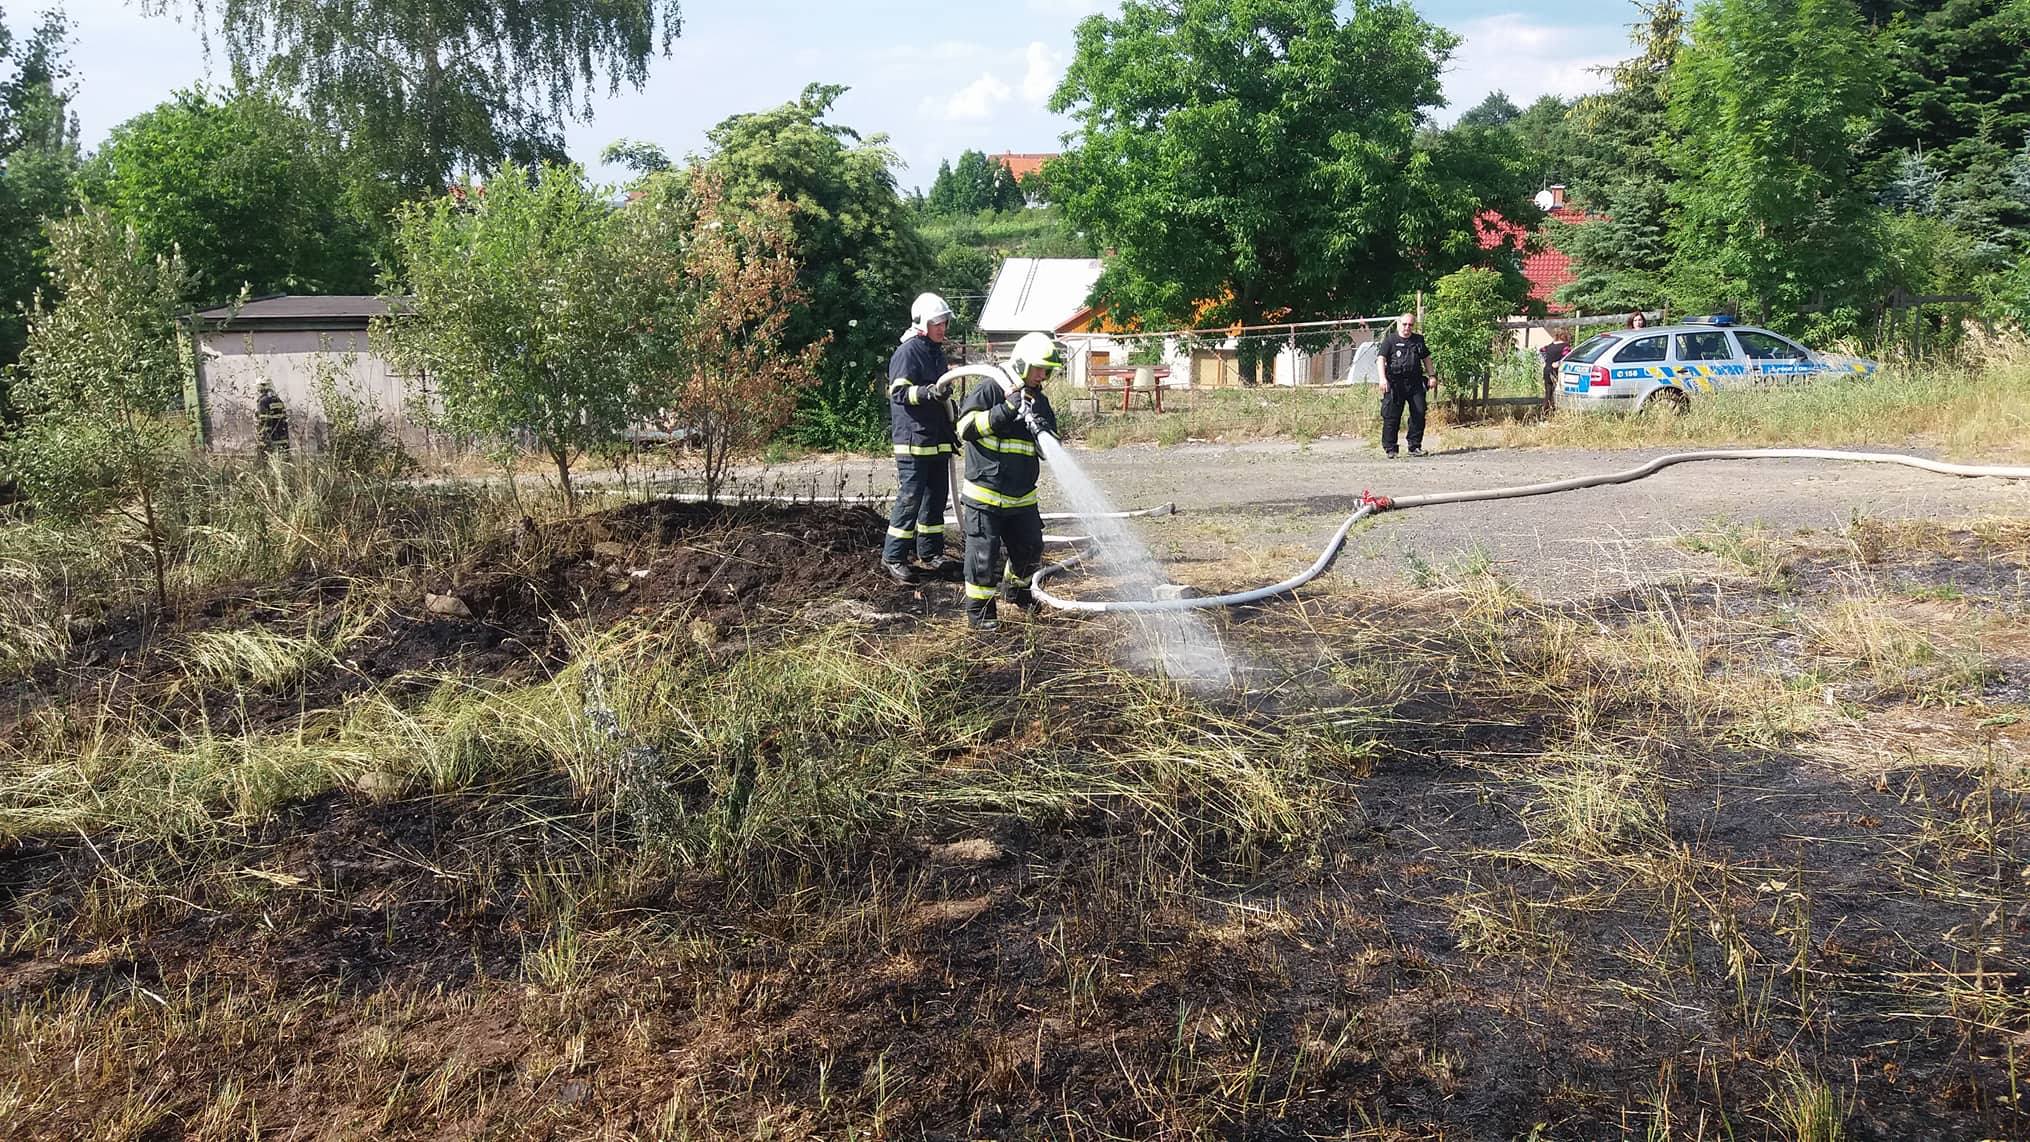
(859,255)
(100,379)
(2008,295)
(961,276)
(1927,250)
(1497,110)
(1485,168)
(429,88)
(1259,159)
(1546,138)
(250,192)
(976,185)
(1770,99)
(38,161)
(1463,321)
(639,156)
(515,315)
(1957,93)
(1615,166)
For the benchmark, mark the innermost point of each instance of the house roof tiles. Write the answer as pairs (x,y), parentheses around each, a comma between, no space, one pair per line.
(1547,268)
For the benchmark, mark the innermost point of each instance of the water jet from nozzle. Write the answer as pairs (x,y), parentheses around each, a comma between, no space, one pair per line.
(1180,643)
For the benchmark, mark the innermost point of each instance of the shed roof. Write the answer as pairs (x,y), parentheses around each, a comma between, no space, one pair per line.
(299,311)
(1031,294)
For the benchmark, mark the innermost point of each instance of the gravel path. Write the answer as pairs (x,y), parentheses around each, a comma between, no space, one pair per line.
(1259,511)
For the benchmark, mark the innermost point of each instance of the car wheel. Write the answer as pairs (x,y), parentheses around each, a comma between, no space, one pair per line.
(1668,400)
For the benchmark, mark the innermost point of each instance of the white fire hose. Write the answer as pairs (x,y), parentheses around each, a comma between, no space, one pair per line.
(1371,505)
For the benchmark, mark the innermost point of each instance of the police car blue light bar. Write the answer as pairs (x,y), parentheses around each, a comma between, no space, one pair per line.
(1711,319)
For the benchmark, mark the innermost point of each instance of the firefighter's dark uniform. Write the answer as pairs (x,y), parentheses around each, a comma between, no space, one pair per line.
(271,422)
(999,495)
(921,429)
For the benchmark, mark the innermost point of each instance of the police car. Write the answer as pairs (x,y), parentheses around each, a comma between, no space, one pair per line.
(1666,367)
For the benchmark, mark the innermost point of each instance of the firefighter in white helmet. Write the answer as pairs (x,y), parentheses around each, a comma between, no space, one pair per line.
(1000,425)
(920,422)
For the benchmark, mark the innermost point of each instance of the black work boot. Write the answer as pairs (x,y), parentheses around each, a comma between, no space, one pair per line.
(939,567)
(1021,597)
(903,573)
(980,615)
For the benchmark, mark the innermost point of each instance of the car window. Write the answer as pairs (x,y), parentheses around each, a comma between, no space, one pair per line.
(1768,347)
(1704,347)
(1641,350)
(1592,347)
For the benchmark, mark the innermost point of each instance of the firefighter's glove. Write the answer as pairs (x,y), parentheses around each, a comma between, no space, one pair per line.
(1026,408)
(942,390)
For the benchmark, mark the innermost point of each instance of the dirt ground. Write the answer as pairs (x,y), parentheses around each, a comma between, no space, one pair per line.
(1259,511)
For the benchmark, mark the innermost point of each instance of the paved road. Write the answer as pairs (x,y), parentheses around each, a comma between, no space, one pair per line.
(1257,512)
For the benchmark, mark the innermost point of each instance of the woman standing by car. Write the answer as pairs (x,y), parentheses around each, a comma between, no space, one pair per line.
(1553,355)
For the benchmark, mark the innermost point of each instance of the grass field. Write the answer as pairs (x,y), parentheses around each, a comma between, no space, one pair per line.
(1976,408)
(429,814)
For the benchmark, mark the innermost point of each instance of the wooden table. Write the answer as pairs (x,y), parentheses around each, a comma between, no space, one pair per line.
(1128,389)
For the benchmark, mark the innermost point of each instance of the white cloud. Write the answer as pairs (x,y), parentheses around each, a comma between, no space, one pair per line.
(976,100)
(1526,60)
(1046,67)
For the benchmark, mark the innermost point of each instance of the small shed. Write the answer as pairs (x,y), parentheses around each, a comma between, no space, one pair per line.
(311,349)
(1036,294)
(1047,295)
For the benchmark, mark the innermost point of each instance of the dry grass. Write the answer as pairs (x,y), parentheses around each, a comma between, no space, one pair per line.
(1458,863)
(1978,408)
(1975,408)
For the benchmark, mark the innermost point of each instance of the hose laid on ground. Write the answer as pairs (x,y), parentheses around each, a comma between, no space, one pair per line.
(1371,505)
(868,501)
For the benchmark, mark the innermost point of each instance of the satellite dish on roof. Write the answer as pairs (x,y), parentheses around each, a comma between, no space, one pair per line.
(1545,200)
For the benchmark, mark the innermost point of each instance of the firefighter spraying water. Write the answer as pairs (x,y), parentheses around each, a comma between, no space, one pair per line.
(1000,426)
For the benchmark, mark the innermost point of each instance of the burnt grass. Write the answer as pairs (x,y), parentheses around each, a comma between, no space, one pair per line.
(722,570)
(350,967)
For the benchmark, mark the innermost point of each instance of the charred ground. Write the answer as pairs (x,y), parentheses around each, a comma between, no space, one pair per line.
(693,825)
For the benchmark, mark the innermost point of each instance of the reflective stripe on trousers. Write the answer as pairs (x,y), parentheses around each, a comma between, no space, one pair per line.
(991,535)
(922,488)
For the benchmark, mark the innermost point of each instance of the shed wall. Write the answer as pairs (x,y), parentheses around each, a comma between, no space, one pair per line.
(295,362)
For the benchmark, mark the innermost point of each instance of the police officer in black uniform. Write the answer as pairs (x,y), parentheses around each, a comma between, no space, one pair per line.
(1000,425)
(920,421)
(1404,363)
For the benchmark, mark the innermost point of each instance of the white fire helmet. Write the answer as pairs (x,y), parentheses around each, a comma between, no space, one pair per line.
(927,310)
(1035,349)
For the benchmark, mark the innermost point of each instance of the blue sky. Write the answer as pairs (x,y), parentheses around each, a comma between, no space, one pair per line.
(936,78)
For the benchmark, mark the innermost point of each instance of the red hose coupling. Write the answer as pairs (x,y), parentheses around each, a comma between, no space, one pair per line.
(1379,503)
